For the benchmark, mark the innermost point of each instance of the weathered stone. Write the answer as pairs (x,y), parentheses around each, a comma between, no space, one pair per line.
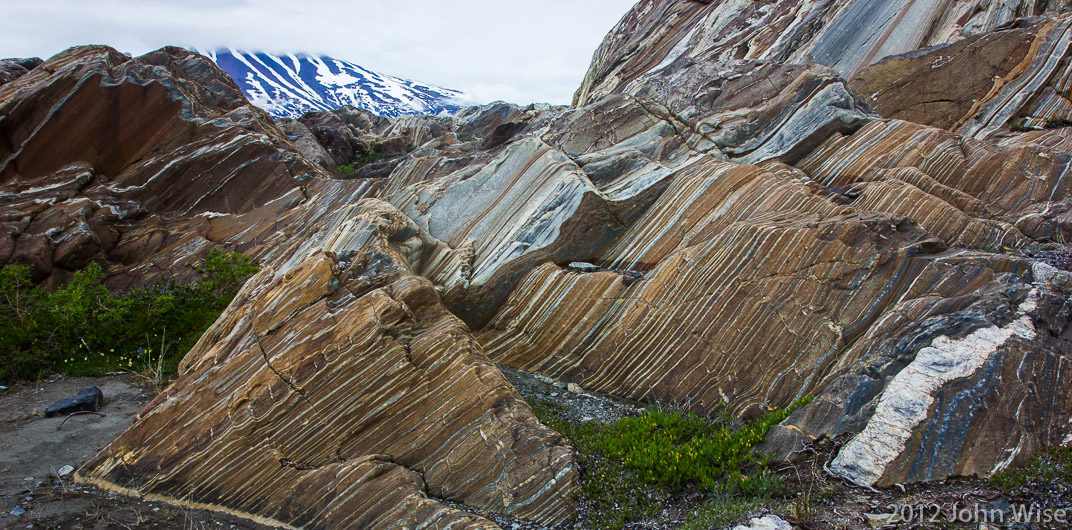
(770,522)
(7,243)
(521,209)
(89,399)
(979,85)
(945,87)
(12,69)
(77,247)
(424,412)
(306,143)
(112,145)
(34,252)
(787,115)
(743,228)
(502,134)
(847,35)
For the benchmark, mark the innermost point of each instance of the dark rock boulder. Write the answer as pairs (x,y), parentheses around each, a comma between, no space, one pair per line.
(89,399)
(12,69)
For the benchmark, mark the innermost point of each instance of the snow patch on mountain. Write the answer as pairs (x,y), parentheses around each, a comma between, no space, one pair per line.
(291,85)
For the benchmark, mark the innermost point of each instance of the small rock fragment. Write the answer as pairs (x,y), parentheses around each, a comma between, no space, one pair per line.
(64,471)
(17,511)
(581,266)
(770,522)
(878,520)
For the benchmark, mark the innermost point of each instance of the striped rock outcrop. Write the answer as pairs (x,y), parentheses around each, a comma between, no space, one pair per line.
(337,392)
(858,268)
(846,35)
(123,160)
(979,86)
(722,217)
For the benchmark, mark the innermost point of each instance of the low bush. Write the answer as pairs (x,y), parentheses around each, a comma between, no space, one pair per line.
(84,329)
(635,463)
(366,154)
(346,172)
(1057,123)
(1046,477)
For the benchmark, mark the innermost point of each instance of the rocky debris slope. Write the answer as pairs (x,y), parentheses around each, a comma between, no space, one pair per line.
(739,226)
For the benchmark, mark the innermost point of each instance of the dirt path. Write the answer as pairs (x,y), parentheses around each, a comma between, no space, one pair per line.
(34,449)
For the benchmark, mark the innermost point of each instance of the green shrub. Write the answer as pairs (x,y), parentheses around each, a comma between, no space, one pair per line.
(1057,123)
(223,274)
(1048,474)
(633,464)
(83,329)
(672,449)
(366,154)
(346,172)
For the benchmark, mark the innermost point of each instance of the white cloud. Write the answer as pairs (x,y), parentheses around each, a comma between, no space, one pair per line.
(515,51)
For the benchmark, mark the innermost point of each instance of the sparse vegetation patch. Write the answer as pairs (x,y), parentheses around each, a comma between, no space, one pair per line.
(631,466)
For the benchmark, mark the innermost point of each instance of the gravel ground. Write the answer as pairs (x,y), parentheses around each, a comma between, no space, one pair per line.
(580,405)
(35,450)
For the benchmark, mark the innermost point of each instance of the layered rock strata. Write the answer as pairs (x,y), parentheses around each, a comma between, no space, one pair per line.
(123,161)
(846,35)
(770,206)
(338,392)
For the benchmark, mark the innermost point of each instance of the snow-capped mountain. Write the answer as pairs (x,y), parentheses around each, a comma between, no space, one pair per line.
(291,85)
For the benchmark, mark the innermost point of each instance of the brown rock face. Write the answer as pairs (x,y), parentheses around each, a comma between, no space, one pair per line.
(344,395)
(945,87)
(720,219)
(982,84)
(112,159)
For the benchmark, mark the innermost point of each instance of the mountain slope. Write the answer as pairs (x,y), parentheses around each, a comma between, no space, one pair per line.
(291,85)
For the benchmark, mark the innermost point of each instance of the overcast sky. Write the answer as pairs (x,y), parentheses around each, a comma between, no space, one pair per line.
(521,52)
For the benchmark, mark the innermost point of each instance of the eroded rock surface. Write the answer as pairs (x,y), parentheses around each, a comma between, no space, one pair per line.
(722,217)
(12,69)
(123,161)
(846,35)
(344,395)
(979,85)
